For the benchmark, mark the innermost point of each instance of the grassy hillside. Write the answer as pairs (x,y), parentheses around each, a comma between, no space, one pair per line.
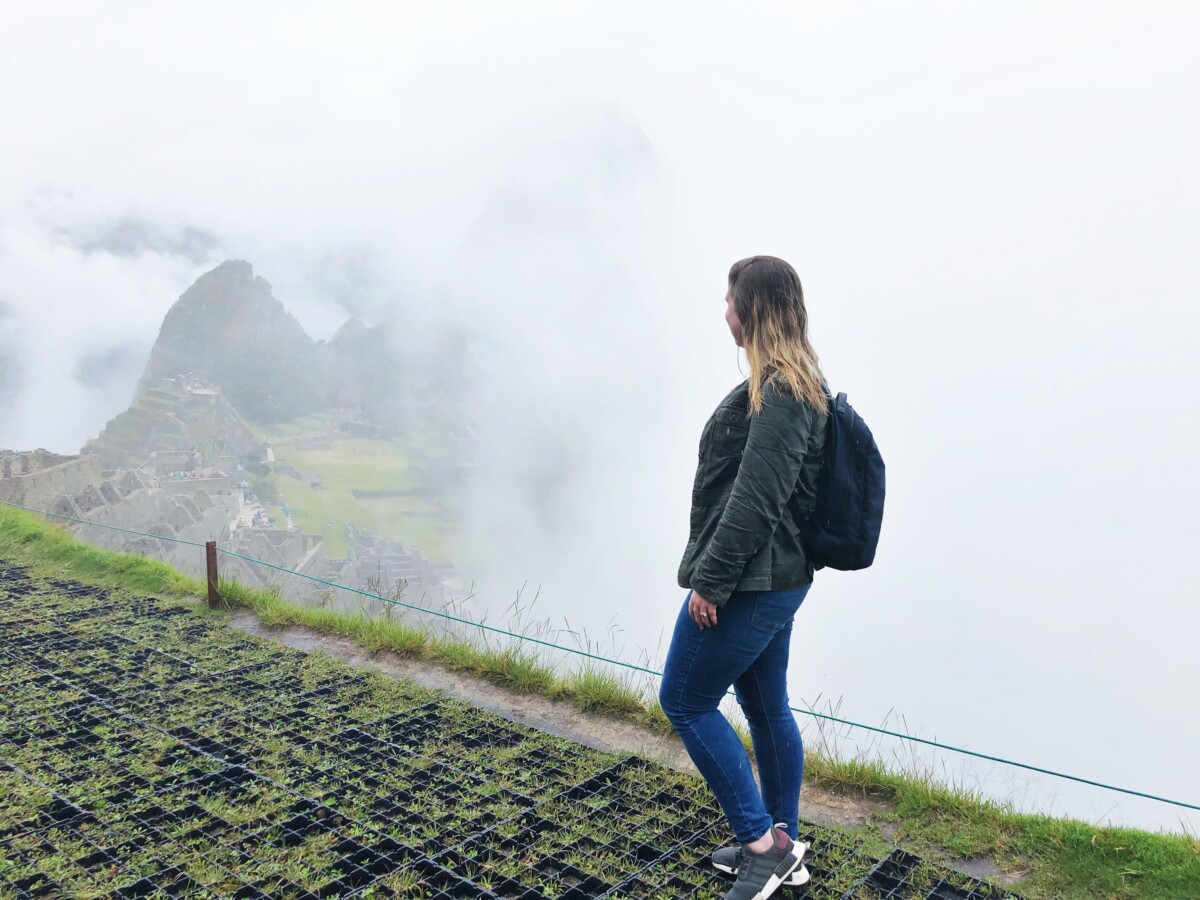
(362,464)
(1054,857)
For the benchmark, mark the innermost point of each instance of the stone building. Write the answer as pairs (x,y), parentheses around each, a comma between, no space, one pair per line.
(175,514)
(37,478)
(168,462)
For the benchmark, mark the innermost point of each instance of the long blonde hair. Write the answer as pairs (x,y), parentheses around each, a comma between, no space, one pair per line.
(769,301)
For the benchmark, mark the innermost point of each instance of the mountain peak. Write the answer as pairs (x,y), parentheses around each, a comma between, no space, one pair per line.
(229,325)
(231,268)
(353,332)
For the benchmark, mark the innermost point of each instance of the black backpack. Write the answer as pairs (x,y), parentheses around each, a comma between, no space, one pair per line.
(842,531)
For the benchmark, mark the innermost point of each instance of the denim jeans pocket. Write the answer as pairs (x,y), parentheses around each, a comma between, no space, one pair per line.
(775,609)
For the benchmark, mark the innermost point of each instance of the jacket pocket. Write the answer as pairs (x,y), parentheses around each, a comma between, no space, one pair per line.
(730,428)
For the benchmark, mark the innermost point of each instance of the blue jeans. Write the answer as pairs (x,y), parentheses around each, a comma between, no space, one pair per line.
(748,649)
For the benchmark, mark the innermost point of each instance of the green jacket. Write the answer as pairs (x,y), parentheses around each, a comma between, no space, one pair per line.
(755,483)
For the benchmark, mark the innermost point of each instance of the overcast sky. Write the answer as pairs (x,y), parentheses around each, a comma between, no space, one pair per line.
(993,209)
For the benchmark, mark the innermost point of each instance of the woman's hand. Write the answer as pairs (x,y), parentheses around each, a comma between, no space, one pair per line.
(703,613)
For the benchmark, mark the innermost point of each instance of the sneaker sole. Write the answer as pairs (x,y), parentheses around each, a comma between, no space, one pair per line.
(799,875)
(795,878)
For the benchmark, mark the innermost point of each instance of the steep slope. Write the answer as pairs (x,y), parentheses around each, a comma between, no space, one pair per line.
(230,326)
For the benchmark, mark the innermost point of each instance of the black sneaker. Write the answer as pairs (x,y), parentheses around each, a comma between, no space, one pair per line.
(761,874)
(727,859)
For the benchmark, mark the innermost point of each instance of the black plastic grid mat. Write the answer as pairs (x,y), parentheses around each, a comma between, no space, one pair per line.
(145,751)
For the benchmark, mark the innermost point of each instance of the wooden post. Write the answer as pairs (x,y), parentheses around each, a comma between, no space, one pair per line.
(210,552)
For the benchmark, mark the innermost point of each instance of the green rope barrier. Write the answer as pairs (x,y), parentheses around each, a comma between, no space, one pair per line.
(634,667)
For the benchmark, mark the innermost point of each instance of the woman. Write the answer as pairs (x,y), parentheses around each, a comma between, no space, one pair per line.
(748,573)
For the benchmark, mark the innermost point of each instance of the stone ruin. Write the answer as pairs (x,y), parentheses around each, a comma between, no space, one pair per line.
(169,500)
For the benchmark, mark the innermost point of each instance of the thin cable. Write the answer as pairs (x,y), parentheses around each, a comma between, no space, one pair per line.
(433,612)
(637,668)
(159,537)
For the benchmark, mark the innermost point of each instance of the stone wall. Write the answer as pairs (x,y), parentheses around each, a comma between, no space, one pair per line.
(168,461)
(26,481)
(289,549)
(163,517)
(210,485)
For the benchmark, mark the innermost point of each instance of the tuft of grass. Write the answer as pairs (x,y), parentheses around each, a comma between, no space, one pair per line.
(596,690)
(868,778)
(519,669)
(654,717)
(379,634)
(456,655)
(513,667)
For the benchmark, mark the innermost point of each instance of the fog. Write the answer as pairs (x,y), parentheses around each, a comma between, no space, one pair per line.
(993,212)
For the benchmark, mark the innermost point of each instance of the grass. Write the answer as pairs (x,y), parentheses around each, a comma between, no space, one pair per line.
(1056,857)
(30,539)
(512,666)
(303,727)
(1062,857)
(596,689)
(365,464)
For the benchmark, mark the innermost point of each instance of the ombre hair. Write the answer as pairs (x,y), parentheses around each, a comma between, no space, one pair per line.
(769,301)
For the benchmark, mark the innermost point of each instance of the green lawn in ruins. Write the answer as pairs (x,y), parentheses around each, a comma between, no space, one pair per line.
(364,464)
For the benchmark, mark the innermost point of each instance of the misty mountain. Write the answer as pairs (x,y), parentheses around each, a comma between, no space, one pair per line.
(230,326)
